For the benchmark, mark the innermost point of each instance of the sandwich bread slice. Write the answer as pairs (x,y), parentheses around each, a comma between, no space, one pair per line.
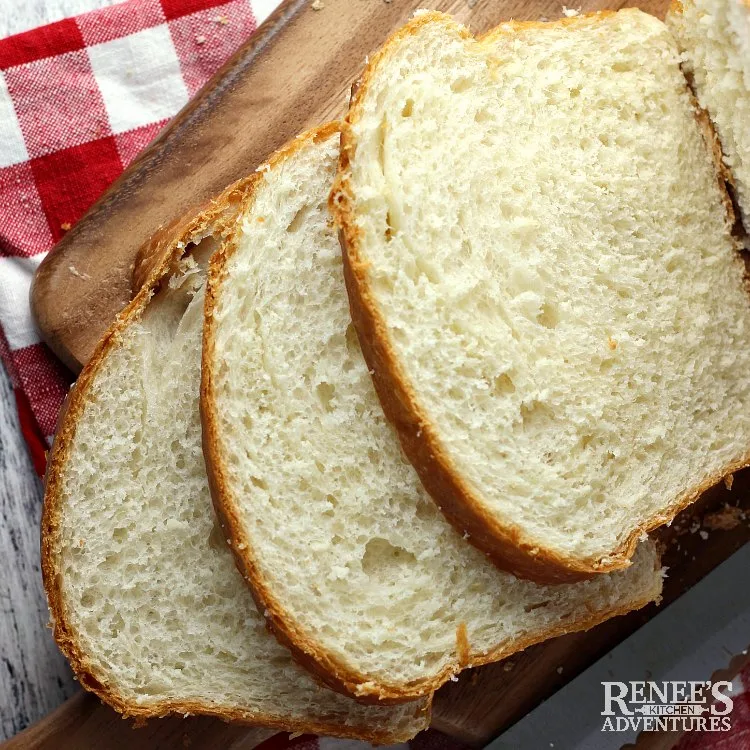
(145,598)
(714,36)
(541,268)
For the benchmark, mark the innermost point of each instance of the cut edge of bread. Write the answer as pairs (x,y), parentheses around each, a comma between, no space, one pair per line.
(332,671)
(506,545)
(727,185)
(157,261)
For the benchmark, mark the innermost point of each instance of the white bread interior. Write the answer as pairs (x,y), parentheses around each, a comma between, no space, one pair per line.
(146,600)
(352,560)
(538,232)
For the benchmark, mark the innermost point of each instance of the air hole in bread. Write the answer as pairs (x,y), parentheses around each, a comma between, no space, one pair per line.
(259,483)
(88,599)
(298,219)
(325,392)
(503,385)
(461,84)
(352,341)
(535,415)
(382,130)
(548,317)
(120,534)
(381,558)
(216,539)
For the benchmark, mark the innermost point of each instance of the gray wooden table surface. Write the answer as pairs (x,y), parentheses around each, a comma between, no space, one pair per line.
(34,678)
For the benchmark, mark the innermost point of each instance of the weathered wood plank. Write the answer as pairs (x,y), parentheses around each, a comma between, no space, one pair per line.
(34,677)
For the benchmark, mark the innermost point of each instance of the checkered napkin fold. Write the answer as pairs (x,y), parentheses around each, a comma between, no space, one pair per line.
(79,99)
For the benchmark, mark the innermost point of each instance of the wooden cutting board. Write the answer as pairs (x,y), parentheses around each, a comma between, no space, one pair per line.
(296,71)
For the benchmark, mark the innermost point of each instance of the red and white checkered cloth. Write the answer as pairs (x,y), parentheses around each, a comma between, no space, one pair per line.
(78,100)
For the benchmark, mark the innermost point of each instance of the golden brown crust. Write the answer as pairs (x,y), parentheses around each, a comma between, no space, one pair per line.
(462,645)
(512,26)
(163,253)
(504,543)
(675,6)
(332,671)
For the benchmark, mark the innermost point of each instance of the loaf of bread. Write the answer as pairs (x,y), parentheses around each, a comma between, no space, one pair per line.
(146,601)
(542,274)
(714,36)
(353,564)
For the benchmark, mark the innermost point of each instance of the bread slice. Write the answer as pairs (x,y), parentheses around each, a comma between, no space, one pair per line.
(350,559)
(146,601)
(540,264)
(715,39)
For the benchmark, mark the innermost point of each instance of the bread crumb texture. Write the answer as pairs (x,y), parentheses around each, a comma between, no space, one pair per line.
(541,230)
(715,39)
(149,589)
(337,526)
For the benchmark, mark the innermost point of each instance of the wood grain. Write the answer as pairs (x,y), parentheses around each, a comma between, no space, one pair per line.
(295,71)
(83,723)
(34,677)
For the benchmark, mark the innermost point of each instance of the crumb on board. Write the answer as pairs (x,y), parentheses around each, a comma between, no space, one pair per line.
(508,666)
(222,20)
(703,535)
(75,272)
(200,39)
(729,517)
(570,12)
(317,5)
(559,670)
(65,226)
(729,481)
